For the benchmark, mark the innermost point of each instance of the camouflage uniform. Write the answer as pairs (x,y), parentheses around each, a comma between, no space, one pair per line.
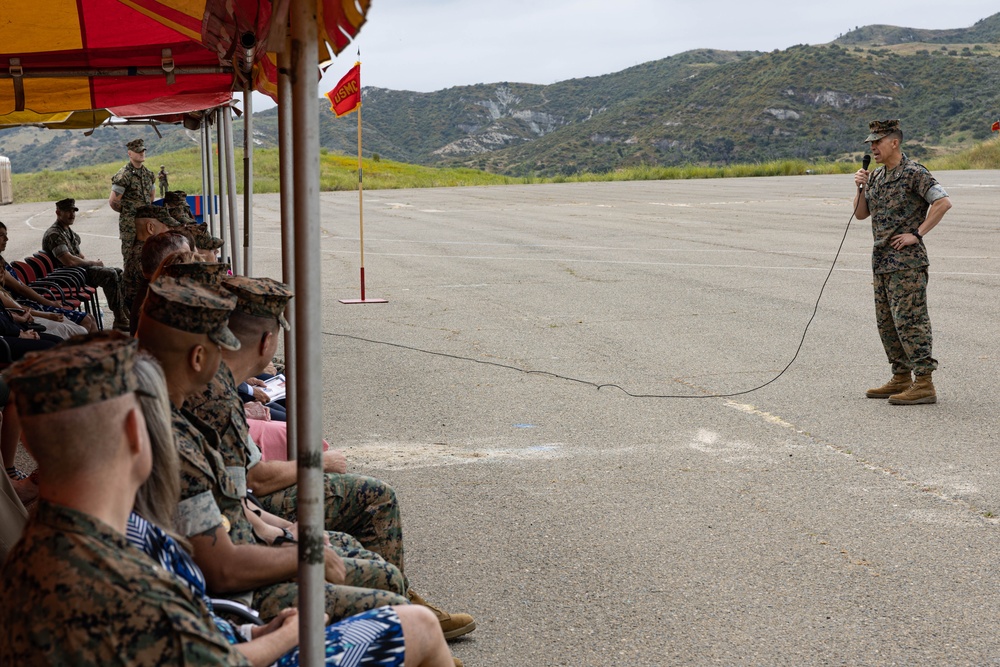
(162,178)
(176,203)
(205,273)
(136,187)
(59,240)
(211,493)
(74,591)
(132,278)
(364,507)
(203,237)
(898,201)
(96,600)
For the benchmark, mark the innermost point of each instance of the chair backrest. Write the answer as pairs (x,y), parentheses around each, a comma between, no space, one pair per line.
(24,272)
(50,262)
(38,266)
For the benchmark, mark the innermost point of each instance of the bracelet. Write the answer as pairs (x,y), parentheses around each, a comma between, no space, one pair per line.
(918,235)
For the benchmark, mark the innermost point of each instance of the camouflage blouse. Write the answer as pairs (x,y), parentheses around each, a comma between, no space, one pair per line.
(898,201)
(136,186)
(220,406)
(77,593)
(58,240)
(211,492)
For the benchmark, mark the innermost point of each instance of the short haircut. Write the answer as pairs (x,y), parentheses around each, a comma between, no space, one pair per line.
(250,328)
(159,246)
(69,443)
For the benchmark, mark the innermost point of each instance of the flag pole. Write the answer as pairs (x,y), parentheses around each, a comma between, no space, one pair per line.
(361,206)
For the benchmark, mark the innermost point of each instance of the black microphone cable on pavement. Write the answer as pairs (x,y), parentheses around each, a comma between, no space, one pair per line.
(608,385)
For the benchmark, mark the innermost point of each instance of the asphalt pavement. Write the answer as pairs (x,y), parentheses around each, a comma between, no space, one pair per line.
(654,521)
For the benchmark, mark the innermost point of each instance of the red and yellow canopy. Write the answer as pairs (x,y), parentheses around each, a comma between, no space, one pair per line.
(145,57)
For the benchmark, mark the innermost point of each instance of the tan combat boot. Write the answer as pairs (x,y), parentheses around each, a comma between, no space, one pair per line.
(921,391)
(899,382)
(452,625)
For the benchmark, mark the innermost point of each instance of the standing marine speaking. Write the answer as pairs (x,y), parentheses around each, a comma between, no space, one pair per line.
(905,203)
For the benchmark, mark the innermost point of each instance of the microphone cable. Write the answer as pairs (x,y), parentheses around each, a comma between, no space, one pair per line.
(611,385)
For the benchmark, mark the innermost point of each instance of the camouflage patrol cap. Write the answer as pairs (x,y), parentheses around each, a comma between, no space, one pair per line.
(183,303)
(880,128)
(173,197)
(81,371)
(68,204)
(203,238)
(157,213)
(136,145)
(260,297)
(204,273)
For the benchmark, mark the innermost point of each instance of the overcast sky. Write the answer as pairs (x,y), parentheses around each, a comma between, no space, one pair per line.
(427,45)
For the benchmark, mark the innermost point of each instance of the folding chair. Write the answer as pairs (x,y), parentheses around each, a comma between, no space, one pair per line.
(47,288)
(52,267)
(73,280)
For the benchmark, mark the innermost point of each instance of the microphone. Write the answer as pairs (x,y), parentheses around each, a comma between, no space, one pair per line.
(865,161)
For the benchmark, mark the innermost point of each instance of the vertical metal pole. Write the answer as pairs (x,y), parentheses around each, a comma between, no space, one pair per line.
(287,181)
(234,212)
(248,179)
(208,211)
(228,249)
(205,140)
(308,325)
(361,207)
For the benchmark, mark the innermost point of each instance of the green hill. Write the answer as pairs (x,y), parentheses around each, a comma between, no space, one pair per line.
(705,107)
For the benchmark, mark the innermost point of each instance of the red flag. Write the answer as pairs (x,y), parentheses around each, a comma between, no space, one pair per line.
(996,126)
(346,95)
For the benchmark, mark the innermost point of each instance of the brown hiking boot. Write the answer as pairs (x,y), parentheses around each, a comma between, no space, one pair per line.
(899,382)
(452,625)
(458,663)
(920,392)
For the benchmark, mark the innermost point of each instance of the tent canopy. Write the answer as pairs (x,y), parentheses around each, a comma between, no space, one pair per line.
(147,57)
(73,55)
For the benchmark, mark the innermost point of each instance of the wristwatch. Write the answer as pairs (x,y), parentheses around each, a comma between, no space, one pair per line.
(918,235)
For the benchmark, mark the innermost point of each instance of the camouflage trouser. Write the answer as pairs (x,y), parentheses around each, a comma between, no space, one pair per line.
(361,506)
(109,278)
(126,227)
(131,274)
(366,569)
(341,601)
(903,322)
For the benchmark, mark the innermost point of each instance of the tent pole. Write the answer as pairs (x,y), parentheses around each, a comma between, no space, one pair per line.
(230,243)
(308,327)
(204,156)
(248,179)
(287,182)
(234,212)
(208,210)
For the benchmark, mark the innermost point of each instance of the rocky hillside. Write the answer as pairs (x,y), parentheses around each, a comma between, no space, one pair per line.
(704,106)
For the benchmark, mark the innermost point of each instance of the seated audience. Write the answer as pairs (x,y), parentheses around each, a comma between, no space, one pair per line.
(31,298)
(183,325)
(74,591)
(362,507)
(382,636)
